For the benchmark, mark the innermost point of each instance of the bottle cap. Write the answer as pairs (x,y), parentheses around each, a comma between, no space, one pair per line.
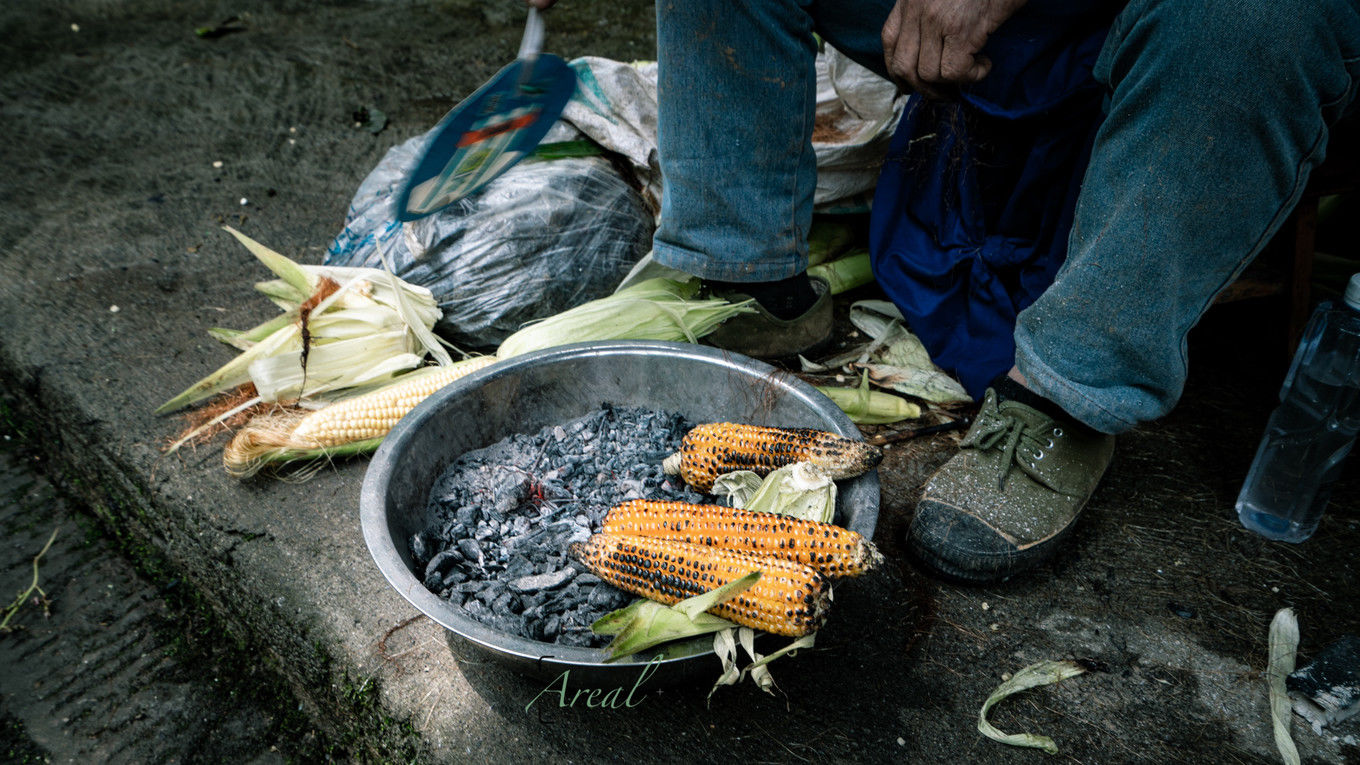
(1353,292)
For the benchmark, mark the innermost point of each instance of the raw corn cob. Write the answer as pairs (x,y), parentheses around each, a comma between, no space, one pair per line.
(830,549)
(712,449)
(348,426)
(373,414)
(789,598)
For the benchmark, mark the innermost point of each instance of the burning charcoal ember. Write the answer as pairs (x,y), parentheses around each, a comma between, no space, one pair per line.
(502,517)
(519,568)
(419,549)
(472,552)
(608,598)
(467,516)
(441,563)
(546,581)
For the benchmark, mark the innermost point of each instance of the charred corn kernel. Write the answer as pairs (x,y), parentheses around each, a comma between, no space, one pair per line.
(373,414)
(712,449)
(788,599)
(831,549)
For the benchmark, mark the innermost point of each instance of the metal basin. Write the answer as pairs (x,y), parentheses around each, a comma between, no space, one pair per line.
(526,393)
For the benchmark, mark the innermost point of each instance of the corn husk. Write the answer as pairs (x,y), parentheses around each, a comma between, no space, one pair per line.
(1033,676)
(845,273)
(736,488)
(871,407)
(655,309)
(893,357)
(1283,642)
(388,322)
(725,646)
(645,623)
(801,490)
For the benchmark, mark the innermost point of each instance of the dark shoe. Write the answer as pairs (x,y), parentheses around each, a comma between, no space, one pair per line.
(762,335)
(1010,496)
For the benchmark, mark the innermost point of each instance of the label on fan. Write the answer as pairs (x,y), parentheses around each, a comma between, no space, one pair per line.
(487,133)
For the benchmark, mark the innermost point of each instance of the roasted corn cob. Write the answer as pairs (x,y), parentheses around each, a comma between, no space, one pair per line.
(789,599)
(832,550)
(710,450)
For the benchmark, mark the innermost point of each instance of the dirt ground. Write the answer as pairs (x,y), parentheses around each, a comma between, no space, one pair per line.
(117,115)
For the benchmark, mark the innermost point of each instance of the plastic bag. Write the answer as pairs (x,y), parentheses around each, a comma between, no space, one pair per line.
(857,111)
(542,238)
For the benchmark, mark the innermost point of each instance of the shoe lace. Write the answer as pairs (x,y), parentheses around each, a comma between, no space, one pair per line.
(996,428)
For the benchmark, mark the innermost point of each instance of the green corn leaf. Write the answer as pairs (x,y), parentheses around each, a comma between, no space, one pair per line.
(847,273)
(1042,673)
(871,407)
(244,339)
(801,490)
(233,373)
(646,623)
(281,293)
(228,336)
(655,309)
(827,239)
(697,605)
(567,149)
(282,267)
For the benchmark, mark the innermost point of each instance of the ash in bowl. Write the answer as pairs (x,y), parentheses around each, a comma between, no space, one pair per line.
(502,517)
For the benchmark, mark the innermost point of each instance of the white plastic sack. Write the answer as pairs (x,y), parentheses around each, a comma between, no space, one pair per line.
(857,112)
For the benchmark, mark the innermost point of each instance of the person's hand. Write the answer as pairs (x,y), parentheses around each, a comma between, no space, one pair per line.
(542,5)
(929,45)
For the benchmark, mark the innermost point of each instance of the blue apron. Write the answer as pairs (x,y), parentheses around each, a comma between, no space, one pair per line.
(975,199)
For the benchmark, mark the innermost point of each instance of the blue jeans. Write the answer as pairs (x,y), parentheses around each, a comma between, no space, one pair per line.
(1218,111)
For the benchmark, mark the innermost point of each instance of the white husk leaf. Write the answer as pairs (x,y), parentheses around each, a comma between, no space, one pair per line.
(1041,673)
(893,356)
(736,488)
(1284,642)
(339,364)
(370,328)
(801,490)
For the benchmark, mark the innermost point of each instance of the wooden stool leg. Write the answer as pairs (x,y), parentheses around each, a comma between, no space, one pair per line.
(1301,229)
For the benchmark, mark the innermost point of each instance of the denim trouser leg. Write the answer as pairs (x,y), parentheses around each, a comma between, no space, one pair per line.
(736,92)
(1218,112)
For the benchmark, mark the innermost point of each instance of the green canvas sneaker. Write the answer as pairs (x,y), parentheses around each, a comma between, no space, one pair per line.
(1010,496)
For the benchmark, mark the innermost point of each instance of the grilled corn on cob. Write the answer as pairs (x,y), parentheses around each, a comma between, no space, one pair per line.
(830,549)
(712,449)
(789,598)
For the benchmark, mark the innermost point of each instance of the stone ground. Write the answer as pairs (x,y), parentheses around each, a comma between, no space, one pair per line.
(115,116)
(113,667)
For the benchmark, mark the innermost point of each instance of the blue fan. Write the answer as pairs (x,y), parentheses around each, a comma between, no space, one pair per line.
(492,129)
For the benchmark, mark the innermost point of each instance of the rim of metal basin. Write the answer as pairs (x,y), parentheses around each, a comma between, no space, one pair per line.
(409,460)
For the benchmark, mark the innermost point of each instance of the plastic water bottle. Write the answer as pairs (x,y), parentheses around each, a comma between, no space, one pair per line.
(1312,431)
